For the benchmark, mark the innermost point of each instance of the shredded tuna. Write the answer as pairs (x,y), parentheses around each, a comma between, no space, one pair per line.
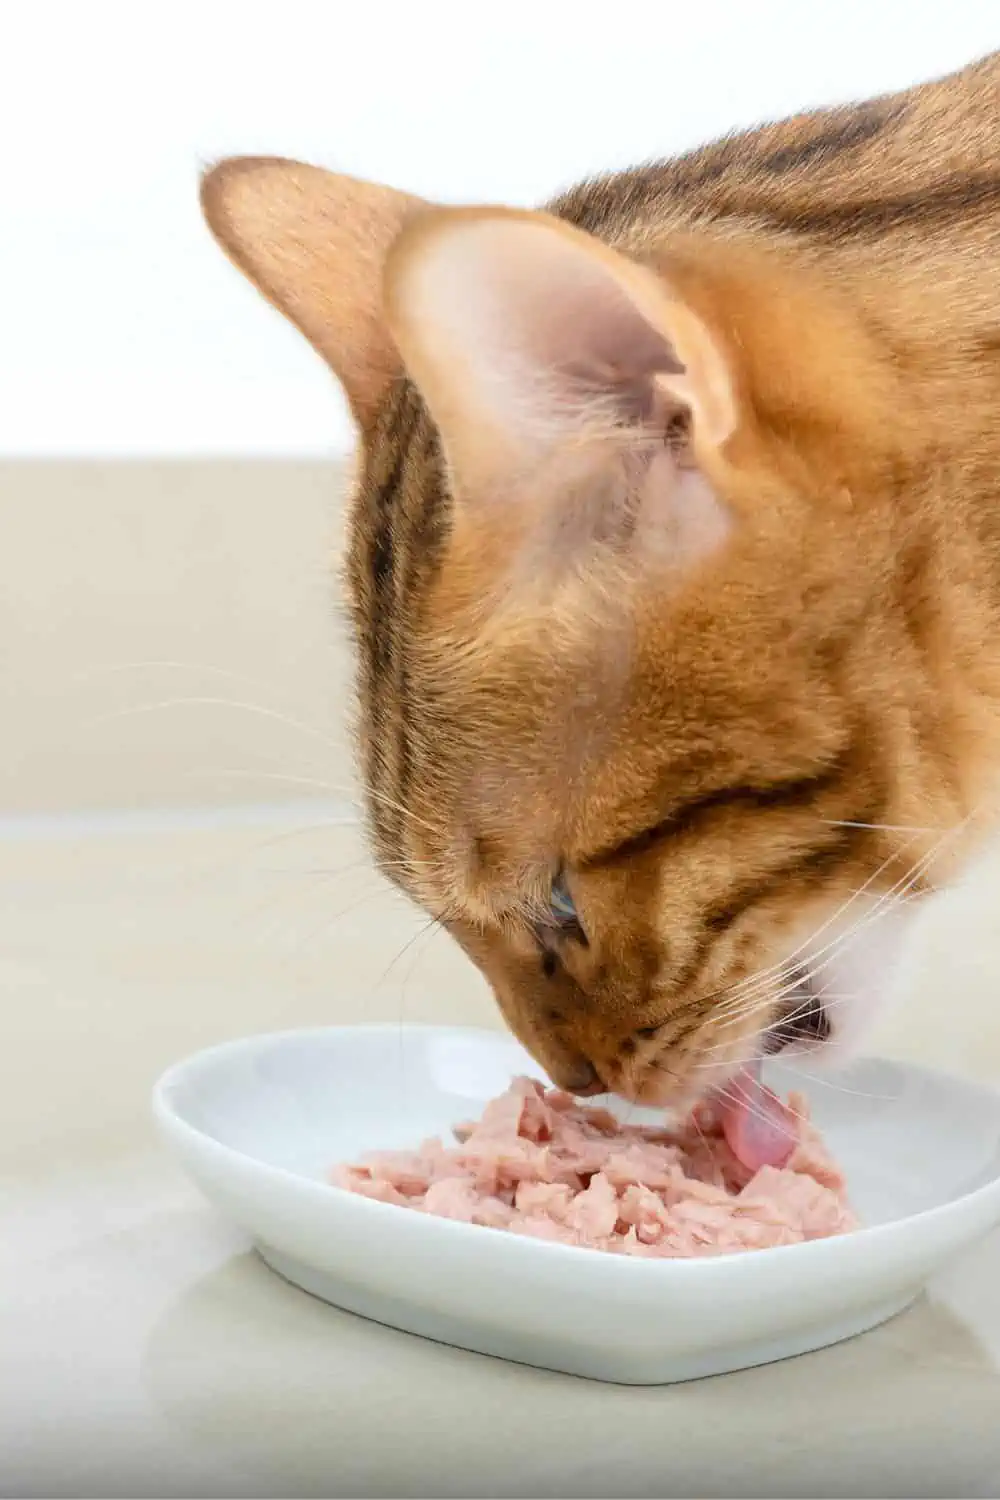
(539,1163)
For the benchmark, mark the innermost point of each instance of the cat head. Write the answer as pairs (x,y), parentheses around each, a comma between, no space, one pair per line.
(637,680)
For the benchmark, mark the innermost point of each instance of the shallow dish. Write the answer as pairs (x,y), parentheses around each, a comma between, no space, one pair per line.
(259,1122)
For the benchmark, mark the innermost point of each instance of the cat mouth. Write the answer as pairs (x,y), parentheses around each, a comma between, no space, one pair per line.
(803,1024)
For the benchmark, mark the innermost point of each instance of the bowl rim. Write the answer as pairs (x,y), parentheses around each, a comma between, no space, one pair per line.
(171,1122)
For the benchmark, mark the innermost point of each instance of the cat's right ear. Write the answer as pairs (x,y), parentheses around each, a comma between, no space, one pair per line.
(315,243)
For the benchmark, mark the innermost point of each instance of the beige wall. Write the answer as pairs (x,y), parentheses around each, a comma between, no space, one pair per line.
(225,568)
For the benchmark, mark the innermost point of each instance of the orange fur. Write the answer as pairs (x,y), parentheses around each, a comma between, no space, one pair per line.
(681,648)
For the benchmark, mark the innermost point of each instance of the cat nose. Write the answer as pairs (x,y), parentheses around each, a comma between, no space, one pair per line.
(580,1078)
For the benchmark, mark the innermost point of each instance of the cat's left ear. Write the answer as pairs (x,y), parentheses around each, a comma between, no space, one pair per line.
(524,333)
(314,242)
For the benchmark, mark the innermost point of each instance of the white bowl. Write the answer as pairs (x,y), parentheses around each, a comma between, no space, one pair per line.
(259,1122)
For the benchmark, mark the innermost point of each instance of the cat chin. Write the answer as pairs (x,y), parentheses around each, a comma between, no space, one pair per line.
(855,965)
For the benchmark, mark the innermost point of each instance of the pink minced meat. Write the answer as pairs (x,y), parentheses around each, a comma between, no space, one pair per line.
(540,1163)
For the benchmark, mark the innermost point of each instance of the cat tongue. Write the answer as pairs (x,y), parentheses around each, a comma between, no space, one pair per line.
(759,1129)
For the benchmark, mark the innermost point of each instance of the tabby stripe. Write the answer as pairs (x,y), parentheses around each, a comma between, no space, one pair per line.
(411,562)
(798,791)
(382,633)
(382,553)
(603,206)
(855,128)
(955,201)
(818,859)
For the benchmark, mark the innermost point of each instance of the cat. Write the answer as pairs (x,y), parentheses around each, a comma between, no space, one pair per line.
(674,566)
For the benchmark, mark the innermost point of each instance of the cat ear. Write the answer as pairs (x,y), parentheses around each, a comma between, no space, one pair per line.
(315,244)
(523,332)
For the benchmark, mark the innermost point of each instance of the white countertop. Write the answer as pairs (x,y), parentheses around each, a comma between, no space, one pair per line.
(144,1350)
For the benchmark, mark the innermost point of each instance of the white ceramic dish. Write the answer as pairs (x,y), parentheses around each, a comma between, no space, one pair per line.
(258,1123)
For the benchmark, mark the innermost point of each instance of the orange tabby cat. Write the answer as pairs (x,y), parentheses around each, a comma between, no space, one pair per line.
(675,564)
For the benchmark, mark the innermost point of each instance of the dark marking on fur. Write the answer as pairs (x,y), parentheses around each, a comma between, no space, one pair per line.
(381,557)
(843,131)
(819,859)
(809,865)
(960,198)
(798,791)
(381,638)
(418,557)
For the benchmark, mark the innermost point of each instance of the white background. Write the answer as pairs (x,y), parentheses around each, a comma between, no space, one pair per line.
(123,330)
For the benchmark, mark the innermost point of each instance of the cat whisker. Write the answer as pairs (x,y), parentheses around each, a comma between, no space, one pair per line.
(329,923)
(204,701)
(919,868)
(279,717)
(748,994)
(433,924)
(331,872)
(830,1003)
(766,974)
(326,881)
(916,872)
(758,1114)
(826,956)
(731,1016)
(793,1063)
(879,827)
(288,779)
(320,784)
(841,1088)
(210,669)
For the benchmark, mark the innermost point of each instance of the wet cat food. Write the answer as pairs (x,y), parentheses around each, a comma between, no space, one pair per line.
(540,1163)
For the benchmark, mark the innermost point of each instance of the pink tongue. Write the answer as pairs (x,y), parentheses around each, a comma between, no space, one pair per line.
(759,1128)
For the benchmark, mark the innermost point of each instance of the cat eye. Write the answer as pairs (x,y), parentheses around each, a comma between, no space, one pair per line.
(562,921)
(561,902)
(563,911)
